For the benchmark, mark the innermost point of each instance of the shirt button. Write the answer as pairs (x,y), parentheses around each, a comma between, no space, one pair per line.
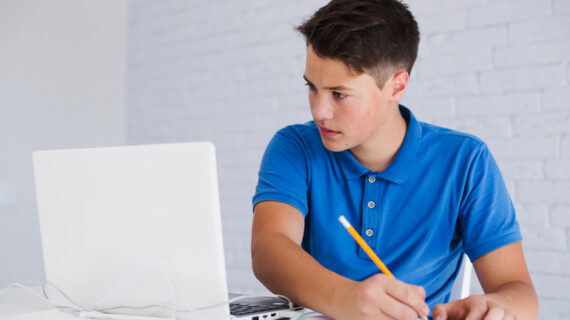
(371,179)
(369,232)
(371,204)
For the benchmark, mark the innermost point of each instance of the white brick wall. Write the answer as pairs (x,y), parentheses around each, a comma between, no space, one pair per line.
(559,216)
(561,7)
(498,104)
(230,72)
(225,71)
(504,12)
(62,85)
(531,214)
(538,30)
(524,78)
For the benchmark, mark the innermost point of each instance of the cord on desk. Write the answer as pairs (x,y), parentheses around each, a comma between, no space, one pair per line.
(97,311)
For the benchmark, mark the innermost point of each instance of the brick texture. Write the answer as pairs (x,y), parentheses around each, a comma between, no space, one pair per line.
(539,30)
(230,72)
(560,216)
(561,7)
(554,99)
(532,214)
(566,147)
(524,78)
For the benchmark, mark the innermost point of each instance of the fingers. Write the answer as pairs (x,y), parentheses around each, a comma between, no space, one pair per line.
(395,309)
(495,314)
(472,308)
(407,296)
(510,316)
(477,311)
(461,309)
(439,312)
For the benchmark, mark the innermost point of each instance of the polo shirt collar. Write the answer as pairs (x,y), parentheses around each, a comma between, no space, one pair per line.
(400,167)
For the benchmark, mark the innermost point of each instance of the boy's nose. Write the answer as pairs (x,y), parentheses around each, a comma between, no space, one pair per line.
(321,109)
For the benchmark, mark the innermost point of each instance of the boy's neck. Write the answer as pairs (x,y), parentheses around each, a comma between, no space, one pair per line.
(378,154)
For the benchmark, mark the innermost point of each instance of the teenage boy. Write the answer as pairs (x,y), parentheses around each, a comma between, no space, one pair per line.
(420,195)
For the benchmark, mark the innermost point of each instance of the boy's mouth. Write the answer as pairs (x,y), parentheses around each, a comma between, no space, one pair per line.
(328,132)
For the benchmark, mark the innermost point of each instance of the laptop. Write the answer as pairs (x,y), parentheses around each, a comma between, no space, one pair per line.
(137,230)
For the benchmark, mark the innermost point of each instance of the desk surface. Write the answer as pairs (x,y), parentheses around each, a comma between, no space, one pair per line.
(19,304)
(17,301)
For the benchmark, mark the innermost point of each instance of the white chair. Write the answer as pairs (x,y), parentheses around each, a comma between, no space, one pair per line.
(462,284)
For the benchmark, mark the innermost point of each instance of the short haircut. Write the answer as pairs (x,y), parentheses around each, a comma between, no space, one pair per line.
(379,37)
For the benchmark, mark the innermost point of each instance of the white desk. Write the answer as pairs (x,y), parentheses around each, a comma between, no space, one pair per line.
(18,301)
(18,304)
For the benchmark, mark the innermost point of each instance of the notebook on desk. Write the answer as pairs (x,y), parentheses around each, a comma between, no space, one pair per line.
(137,227)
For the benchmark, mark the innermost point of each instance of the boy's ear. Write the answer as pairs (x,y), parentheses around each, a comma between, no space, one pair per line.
(400,83)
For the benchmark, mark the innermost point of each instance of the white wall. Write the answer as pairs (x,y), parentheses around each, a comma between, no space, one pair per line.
(225,71)
(500,70)
(62,74)
(230,72)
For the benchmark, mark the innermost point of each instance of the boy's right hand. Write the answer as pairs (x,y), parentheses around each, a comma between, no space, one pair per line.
(380,297)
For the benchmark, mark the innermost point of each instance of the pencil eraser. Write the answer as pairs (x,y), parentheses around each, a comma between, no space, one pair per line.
(344,222)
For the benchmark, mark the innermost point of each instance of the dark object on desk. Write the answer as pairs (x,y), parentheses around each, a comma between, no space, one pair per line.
(260,308)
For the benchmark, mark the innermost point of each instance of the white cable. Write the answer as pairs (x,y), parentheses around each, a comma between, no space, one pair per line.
(295,314)
(47,283)
(131,275)
(77,308)
(95,312)
(19,285)
(99,315)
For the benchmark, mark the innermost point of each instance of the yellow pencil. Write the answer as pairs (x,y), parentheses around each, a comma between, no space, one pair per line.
(367,249)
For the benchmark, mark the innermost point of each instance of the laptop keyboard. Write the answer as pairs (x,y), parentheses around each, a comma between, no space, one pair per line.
(239,309)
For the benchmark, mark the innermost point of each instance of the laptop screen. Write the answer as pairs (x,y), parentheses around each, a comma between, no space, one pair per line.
(133,226)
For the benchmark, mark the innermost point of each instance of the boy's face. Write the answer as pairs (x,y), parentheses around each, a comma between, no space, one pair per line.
(350,111)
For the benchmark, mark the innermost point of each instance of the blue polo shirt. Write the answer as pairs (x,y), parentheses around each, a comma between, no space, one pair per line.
(442,196)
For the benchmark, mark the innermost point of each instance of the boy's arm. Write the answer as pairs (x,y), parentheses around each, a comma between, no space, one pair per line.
(508,289)
(285,268)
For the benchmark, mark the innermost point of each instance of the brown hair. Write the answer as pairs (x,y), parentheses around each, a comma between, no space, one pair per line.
(378,37)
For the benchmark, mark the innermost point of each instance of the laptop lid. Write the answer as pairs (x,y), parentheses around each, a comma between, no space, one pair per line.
(145,216)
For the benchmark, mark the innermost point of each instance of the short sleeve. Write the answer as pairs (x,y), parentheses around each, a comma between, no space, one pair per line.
(487,215)
(283,174)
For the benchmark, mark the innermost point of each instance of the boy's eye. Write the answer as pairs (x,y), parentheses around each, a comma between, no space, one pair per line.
(339,95)
(311,87)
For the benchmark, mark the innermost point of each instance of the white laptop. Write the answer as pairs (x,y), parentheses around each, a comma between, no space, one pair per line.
(136,227)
